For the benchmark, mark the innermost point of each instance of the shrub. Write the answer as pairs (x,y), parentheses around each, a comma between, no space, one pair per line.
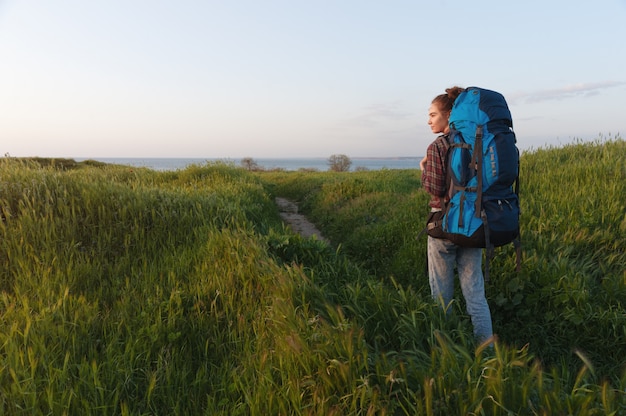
(339,163)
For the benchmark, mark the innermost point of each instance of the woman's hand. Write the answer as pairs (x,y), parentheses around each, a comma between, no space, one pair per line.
(423,163)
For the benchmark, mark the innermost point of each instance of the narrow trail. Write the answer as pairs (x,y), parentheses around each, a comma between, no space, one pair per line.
(297,222)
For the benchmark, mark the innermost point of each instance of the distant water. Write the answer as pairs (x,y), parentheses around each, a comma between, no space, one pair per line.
(288,164)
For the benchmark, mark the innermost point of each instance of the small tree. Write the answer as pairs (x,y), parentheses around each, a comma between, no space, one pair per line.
(339,163)
(249,164)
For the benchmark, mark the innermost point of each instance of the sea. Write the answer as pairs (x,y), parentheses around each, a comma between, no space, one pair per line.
(287,164)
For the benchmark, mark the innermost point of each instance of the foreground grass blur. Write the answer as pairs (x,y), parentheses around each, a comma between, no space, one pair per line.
(130,291)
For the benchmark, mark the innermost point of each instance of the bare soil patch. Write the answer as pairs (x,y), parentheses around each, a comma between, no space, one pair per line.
(297,222)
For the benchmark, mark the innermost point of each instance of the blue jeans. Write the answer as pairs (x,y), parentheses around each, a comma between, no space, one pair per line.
(442,257)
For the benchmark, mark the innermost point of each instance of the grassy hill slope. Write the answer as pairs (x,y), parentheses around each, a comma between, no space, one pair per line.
(130,291)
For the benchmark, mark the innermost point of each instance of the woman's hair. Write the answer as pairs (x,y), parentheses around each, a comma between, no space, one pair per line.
(445,101)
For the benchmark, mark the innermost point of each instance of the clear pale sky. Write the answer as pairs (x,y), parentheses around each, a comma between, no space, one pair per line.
(296,78)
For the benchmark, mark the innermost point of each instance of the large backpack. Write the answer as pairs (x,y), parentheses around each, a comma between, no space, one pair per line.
(483,168)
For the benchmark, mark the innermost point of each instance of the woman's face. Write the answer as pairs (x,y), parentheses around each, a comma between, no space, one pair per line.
(437,120)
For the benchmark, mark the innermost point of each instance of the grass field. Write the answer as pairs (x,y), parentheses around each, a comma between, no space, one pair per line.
(133,292)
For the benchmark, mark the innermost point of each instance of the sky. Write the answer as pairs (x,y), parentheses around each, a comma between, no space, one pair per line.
(298,78)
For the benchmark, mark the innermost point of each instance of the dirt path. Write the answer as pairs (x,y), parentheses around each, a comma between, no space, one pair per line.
(297,222)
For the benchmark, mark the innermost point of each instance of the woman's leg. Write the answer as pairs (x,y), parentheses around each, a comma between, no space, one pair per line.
(441,259)
(469,263)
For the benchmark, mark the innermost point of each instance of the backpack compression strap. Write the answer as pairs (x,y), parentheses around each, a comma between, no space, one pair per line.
(477,164)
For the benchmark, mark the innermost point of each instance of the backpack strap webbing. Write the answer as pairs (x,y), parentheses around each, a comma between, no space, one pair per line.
(477,164)
(518,241)
(518,254)
(488,246)
(489,254)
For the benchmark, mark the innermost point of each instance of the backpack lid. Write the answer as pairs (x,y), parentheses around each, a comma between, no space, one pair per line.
(480,106)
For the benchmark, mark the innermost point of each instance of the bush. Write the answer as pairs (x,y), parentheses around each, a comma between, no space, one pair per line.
(339,163)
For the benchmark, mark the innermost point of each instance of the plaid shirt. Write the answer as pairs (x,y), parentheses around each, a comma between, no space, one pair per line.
(434,177)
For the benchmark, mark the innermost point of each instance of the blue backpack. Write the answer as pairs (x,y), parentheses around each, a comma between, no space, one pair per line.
(483,170)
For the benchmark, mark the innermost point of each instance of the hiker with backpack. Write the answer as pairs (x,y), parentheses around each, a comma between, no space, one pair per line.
(471,172)
(444,255)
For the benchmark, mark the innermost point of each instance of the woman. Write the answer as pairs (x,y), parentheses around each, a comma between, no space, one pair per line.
(443,255)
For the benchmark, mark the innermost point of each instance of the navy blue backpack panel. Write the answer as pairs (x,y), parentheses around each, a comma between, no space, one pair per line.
(502,215)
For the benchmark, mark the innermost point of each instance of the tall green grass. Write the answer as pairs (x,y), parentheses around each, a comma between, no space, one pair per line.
(374,215)
(566,307)
(573,287)
(129,291)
